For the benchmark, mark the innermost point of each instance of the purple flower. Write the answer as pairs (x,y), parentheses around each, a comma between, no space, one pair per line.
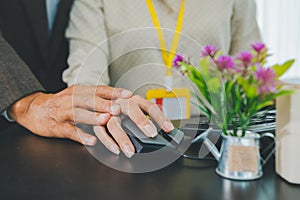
(225,63)
(209,50)
(258,46)
(266,78)
(245,57)
(178,58)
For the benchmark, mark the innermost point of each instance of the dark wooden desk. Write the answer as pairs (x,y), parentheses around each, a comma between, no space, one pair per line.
(38,168)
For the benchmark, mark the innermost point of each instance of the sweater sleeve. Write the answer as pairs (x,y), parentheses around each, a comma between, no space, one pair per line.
(86,32)
(244,26)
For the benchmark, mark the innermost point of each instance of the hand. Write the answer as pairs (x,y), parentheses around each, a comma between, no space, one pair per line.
(56,115)
(134,107)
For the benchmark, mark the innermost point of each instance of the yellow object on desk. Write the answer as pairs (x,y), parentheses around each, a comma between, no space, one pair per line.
(175,103)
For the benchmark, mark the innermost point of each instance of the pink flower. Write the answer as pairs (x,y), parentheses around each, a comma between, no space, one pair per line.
(209,50)
(178,58)
(245,57)
(225,63)
(266,78)
(258,46)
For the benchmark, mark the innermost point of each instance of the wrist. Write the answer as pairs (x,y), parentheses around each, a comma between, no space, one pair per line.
(19,109)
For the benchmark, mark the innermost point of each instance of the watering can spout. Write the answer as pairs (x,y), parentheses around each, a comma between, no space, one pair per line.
(212,148)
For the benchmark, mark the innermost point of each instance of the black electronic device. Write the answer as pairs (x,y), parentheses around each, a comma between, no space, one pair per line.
(139,139)
(263,121)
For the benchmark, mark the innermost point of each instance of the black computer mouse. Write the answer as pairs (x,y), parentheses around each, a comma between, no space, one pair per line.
(138,138)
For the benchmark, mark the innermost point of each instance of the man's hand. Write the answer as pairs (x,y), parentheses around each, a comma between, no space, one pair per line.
(55,115)
(134,107)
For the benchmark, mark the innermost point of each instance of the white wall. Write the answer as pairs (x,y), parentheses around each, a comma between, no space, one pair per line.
(280,26)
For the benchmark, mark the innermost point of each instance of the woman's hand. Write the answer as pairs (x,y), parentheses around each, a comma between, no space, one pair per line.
(134,107)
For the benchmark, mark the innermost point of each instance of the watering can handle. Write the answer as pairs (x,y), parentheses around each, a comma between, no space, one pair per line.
(265,160)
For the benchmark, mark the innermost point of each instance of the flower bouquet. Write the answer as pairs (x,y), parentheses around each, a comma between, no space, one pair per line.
(233,89)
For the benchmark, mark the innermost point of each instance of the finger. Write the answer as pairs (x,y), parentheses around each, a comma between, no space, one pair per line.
(109,106)
(131,109)
(76,134)
(100,91)
(115,129)
(84,116)
(112,93)
(155,112)
(106,140)
(95,103)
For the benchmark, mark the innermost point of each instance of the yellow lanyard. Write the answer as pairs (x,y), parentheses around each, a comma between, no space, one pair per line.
(166,56)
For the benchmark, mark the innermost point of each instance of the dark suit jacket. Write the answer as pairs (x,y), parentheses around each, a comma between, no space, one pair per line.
(24,26)
(16,80)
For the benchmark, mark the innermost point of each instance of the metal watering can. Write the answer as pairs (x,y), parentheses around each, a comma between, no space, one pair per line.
(239,157)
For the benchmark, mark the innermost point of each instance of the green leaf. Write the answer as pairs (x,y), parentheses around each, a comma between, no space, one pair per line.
(283,92)
(236,99)
(202,104)
(281,69)
(196,77)
(214,85)
(251,91)
(202,87)
(198,98)
(204,64)
(243,82)
(204,110)
(265,104)
(229,85)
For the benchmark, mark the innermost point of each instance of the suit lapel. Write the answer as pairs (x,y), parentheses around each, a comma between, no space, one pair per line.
(36,12)
(60,24)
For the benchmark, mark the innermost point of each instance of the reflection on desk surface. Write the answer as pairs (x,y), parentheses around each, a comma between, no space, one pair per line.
(33,167)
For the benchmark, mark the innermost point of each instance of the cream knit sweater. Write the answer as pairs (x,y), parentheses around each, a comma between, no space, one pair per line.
(114,42)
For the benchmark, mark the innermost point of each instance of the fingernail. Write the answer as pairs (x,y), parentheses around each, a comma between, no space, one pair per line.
(90,141)
(168,126)
(102,117)
(114,149)
(127,151)
(151,130)
(115,109)
(126,93)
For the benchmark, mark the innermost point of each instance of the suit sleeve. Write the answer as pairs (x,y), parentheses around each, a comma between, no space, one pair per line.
(16,80)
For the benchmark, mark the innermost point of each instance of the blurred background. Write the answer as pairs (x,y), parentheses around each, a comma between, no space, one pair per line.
(280,26)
